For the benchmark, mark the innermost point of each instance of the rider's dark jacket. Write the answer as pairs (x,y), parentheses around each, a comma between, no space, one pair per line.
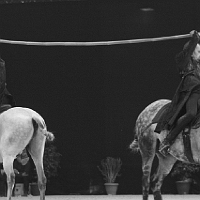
(189,71)
(5,96)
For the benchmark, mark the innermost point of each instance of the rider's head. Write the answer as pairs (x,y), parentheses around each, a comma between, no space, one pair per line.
(196,53)
(22,161)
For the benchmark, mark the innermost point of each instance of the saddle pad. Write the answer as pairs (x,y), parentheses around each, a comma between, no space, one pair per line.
(160,113)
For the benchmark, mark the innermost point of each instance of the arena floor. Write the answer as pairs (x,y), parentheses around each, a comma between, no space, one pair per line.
(105,197)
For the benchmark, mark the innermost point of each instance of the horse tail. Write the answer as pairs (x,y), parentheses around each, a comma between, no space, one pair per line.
(38,123)
(134,146)
(49,135)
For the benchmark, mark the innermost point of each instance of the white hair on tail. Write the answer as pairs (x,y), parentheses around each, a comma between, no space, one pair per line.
(50,136)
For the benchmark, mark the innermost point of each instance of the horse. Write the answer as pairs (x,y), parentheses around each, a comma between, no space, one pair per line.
(22,128)
(146,142)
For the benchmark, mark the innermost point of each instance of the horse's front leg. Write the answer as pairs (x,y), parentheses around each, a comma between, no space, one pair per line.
(164,167)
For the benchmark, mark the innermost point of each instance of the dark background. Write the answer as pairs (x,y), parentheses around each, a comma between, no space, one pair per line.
(90,97)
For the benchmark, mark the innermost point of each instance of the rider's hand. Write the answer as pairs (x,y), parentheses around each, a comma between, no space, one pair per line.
(16,171)
(193,32)
(24,174)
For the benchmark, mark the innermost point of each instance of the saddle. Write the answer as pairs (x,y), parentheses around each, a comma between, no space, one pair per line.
(185,133)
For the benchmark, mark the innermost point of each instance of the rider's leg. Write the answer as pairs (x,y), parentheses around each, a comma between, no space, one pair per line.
(191,111)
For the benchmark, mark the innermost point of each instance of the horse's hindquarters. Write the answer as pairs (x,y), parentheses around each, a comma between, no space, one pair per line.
(16,130)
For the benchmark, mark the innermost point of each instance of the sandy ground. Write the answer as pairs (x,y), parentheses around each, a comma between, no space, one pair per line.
(104,197)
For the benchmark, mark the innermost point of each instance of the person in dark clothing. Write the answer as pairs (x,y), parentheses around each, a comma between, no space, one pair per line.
(5,97)
(184,106)
(22,172)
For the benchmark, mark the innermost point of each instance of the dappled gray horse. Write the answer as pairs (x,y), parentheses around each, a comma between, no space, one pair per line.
(23,128)
(147,141)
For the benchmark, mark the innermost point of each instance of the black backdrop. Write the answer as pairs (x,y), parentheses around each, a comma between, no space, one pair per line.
(90,97)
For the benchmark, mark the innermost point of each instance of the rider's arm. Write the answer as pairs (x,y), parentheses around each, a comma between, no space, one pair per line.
(183,58)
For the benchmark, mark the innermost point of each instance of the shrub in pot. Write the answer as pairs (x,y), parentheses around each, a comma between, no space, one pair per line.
(183,173)
(110,168)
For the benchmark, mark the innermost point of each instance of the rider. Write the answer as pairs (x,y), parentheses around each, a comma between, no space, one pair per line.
(6,99)
(184,105)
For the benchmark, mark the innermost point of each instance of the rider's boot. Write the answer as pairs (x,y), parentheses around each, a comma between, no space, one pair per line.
(165,145)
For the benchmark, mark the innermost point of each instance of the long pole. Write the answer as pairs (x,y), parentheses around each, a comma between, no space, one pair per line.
(100,43)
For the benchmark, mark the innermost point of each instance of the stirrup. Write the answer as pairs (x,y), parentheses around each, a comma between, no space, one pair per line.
(164,150)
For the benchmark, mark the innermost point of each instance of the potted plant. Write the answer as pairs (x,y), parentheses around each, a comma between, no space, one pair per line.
(51,162)
(183,172)
(110,168)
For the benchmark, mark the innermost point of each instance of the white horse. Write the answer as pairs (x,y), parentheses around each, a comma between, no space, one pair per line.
(23,128)
(147,141)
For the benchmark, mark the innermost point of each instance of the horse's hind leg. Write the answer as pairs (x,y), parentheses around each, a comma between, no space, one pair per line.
(36,150)
(164,167)
(147,160)
(8,168)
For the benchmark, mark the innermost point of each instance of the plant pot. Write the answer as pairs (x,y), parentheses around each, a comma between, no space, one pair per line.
(183,187)
(111,188)
(34,189)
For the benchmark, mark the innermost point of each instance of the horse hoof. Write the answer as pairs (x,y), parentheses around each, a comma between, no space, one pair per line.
(157,195)
(145,197)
